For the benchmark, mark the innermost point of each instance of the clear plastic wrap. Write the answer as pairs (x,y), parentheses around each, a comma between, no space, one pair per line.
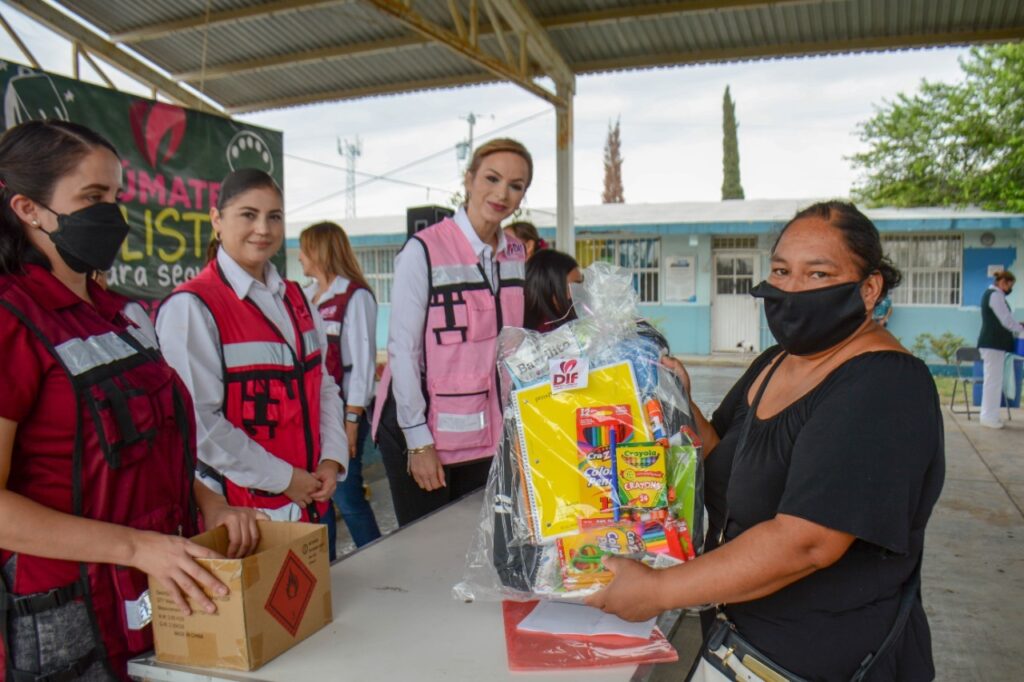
(588,409)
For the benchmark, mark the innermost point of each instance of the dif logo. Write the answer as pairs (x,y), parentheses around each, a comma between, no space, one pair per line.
(568,374)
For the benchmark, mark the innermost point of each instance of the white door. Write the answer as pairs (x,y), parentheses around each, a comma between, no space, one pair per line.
(735,320)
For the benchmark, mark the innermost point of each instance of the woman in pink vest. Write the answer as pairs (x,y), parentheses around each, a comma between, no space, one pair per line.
(349,312)
(97,446)
(457,283)
(251,351)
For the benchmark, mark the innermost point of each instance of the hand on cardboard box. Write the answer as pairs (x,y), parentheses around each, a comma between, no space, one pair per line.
(171,560)
(327,473)
(243,531)
(302,487)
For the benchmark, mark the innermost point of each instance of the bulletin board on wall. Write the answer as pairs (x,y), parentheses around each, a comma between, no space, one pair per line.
(977,266)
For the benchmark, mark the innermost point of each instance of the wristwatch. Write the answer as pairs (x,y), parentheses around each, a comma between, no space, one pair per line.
(352,417)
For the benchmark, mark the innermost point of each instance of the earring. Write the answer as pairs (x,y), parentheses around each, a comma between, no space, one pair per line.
(36,223)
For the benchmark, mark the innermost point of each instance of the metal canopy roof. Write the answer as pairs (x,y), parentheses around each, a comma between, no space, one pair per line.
(248,55)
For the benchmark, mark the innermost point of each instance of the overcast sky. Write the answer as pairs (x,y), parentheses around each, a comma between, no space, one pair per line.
(797,123)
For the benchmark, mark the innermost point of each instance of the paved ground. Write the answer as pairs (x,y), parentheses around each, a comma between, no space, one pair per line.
(974,551)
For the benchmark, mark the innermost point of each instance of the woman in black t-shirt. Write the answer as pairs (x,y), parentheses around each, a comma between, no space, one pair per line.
(817,522)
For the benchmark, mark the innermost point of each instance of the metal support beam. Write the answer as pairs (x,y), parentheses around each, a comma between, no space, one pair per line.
(75,59)
(542,50)
(227,70)
(356,93)
(418,23)
(565,230)
(166,28)
(476,28)
(73,31)
(96,67)
(17,41)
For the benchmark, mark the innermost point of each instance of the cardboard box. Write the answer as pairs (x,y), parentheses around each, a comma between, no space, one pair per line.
(279,595)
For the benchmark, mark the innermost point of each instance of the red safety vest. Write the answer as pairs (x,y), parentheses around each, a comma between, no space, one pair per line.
(132,463)
(332,311)
(464,316)
(270,391)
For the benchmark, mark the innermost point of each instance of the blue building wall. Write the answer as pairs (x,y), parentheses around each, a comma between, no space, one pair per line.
(688,325)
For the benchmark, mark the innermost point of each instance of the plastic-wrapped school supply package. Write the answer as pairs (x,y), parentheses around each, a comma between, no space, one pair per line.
(599,454)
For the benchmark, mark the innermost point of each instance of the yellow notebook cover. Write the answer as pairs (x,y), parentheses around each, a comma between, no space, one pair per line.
(559,446)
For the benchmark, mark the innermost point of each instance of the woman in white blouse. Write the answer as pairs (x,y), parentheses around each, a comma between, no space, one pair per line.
(246,343)
(349,312)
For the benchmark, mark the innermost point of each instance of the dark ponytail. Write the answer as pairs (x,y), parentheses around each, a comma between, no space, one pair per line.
(861,237)
(33,157)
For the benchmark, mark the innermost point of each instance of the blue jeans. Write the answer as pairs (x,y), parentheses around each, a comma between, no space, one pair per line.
(351,500)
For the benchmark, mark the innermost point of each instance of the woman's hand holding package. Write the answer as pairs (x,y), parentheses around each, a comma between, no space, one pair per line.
(632,594)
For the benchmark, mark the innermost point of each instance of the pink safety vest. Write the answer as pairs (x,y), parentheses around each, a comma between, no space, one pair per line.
(464,316)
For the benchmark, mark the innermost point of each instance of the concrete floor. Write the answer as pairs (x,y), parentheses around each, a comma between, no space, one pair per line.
(973,585)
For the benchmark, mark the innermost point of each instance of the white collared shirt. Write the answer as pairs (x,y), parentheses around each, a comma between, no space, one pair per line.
(191,345)
(358,340)
(405,329)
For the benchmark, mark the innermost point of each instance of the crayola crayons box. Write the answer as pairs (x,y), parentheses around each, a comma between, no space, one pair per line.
(278,596)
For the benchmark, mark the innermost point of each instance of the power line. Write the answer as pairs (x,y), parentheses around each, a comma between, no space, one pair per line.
(371,177)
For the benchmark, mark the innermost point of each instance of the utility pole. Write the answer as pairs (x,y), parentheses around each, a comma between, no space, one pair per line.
(350,151)
(465,148)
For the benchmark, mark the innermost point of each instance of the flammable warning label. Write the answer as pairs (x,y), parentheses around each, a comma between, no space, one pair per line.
(292,590)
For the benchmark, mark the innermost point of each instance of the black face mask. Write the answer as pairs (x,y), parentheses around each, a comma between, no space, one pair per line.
(88,239)
(808,322)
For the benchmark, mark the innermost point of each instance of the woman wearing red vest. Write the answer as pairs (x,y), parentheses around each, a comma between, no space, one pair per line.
(250,350)
(457,283)
(349,312)
(97,454)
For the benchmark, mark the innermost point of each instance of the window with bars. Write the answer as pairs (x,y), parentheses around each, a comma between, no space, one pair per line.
(641,257)
(931,267)
(378,264)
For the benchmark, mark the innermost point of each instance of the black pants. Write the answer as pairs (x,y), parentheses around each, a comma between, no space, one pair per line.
(410,500)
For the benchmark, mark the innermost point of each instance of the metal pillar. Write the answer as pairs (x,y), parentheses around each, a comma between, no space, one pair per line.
(565,232)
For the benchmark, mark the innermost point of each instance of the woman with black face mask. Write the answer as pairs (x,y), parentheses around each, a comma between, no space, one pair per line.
(97,448)
(823,465)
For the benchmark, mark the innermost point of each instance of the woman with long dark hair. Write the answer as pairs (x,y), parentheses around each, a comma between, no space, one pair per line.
(349,311)
(548,300)
(249,347)
(96,443)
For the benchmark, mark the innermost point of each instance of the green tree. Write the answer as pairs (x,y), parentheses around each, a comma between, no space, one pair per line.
(613,192)
(951,144)
(731,187)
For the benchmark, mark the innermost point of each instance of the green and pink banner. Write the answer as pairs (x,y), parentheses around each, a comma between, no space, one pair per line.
(174,160)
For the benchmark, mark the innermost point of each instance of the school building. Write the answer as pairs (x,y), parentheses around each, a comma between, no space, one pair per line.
(693,264)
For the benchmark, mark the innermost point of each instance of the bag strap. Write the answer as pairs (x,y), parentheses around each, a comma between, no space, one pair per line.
(909,595)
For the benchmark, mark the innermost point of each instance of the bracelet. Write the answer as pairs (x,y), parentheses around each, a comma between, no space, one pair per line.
(420,450)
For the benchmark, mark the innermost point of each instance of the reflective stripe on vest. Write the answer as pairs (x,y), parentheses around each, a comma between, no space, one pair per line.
(455,275)
(512,270)
(83,355)
(258,353)
(332,328)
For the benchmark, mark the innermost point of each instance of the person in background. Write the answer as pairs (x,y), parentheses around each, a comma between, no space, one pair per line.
(437,418)
(349,312)
(526,233)
(548,300)
(97,447)
(822,467)
(994,342)
(250,349)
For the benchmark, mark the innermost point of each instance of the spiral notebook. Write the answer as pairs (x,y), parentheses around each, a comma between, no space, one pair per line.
(559,436)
